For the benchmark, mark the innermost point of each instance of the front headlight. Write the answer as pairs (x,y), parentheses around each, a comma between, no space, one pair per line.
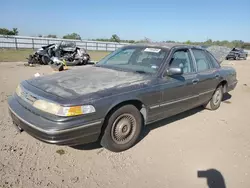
(56,109)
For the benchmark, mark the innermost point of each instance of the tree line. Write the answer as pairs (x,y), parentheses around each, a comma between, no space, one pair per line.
(116,38)
(230,44)
(4,31)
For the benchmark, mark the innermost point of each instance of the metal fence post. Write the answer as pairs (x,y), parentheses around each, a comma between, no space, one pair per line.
(16,44)
(48,42)
(106,47)
(33,45)
(115,46)
(96,46)
(86,45)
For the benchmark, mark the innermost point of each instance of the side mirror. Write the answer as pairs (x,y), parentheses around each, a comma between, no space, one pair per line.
(174,71)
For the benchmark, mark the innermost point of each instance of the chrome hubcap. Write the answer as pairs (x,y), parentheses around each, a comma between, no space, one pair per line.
(123,129)
(217,97)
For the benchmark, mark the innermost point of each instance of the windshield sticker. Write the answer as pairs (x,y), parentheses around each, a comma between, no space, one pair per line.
(154,50)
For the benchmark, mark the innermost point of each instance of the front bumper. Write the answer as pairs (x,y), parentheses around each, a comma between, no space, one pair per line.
(35,125)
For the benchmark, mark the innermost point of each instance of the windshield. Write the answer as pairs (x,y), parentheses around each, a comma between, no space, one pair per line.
(137,59)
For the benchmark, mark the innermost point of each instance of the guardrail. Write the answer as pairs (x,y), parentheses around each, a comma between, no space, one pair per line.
(21,42)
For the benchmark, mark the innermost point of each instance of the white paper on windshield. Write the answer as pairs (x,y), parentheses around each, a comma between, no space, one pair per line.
(154,50)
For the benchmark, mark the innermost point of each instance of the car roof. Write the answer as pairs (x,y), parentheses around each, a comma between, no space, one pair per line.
(219,52)
(165,45)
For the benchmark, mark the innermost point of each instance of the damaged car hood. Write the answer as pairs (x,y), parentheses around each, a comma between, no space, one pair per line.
(85,80)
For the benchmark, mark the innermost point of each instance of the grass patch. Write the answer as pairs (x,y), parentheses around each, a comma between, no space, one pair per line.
(97,55)
(7,55)
(12,55)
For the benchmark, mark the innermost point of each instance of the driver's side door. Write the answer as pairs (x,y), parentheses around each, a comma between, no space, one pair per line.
(179,92)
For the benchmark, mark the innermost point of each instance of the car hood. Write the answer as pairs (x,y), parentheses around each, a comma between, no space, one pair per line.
(81,81)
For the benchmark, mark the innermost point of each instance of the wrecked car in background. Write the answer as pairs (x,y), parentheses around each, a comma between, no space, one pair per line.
(67,51)
(111,101)
(237,54)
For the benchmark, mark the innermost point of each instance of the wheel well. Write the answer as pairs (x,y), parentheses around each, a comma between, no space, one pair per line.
(138,104)
(224,86)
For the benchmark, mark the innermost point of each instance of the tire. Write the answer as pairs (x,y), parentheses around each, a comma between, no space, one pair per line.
(85,62)
(46,60)
(123,128)
(216,99)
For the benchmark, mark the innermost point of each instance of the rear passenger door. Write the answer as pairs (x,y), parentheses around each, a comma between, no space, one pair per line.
(207,74)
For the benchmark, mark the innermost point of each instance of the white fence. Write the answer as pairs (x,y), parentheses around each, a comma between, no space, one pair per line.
(21,42)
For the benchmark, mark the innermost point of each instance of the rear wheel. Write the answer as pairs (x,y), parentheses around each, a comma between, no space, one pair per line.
(216,99)
(123,129)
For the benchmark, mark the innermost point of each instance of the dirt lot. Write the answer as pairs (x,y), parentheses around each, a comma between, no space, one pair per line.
(170,154)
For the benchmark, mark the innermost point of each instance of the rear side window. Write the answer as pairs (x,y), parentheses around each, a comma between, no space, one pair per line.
(215,63)
(202,60)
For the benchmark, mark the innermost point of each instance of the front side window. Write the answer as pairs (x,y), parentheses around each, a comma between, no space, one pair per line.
(182,59)
(202,60)
(137,59)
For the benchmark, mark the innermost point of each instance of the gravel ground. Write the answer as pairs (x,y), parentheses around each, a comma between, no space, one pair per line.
(170,154)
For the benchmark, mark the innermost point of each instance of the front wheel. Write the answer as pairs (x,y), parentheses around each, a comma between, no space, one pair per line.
(216,99)
(123,129)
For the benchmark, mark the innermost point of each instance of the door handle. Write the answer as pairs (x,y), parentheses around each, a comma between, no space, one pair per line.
(195,81)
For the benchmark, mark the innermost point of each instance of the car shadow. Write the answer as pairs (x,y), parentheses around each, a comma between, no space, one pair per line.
(90,146)
(168,121)
(226,97)
(214,178)
(147,129)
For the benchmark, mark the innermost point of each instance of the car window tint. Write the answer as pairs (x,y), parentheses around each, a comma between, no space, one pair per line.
(137,59)
(213,60)
(122,57)
(182,59)
(202,60)
(150,59)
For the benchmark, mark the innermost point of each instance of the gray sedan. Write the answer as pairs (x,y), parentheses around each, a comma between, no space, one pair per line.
(113,100)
